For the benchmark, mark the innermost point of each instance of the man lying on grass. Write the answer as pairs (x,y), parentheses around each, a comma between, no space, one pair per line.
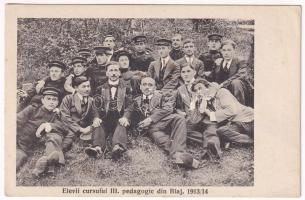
(115,113)
(168,130)
(235,121)
(43,121)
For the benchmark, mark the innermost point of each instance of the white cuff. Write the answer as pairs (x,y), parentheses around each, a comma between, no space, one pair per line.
(212,117)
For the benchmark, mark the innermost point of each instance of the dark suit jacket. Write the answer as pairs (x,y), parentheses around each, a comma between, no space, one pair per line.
(28,121)
(238,70)
(124,102)
(160,106)
(171,74)
(197,64)
(76,115)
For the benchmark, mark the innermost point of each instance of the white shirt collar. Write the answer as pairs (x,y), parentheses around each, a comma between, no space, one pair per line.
(113,82)
(166,59)
(225,63)
(189,57)
(80,96)
(149,96)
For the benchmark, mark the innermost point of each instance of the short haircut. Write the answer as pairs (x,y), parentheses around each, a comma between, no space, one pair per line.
(228,42)
(188,40)
(79,80)
(112,63)
(186,65)
(203,81)
(178,34)
(146,76)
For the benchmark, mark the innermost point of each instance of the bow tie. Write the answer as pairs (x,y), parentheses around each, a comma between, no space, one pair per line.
(146,100)
(111,86)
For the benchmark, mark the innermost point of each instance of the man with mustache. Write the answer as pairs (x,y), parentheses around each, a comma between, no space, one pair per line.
(114,106)
(177,51)
(154,113)
(190,59)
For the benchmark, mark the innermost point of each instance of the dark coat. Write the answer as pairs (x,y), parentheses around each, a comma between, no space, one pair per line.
(171,74)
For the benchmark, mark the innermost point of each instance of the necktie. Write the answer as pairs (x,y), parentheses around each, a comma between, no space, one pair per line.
(145,100)
(163,63)
(225,68)
(85,100)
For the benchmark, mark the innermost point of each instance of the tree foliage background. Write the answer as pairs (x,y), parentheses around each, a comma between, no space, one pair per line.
(41,40)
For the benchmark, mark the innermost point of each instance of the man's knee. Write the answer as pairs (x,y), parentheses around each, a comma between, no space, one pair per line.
(159,137)
(236,83)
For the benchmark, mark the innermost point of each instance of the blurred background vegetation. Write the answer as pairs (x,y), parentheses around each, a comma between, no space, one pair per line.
(41,40)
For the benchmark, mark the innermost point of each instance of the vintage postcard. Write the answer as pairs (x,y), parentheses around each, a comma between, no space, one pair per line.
(152,100)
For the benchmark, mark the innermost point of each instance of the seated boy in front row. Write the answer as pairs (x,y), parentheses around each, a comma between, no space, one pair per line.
(36,122)
(115,111)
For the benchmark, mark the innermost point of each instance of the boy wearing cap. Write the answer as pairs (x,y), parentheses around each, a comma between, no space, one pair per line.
(115,102)
(55,79)
(190,59)
(232,73)
(78,111)
(79,68)
(212,56)
(141,58)
(154,113)
(98,67)
(36,122)
(84,52)
(164,70)
(177,51)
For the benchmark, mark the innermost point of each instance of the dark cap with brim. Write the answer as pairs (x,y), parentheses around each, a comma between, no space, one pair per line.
(163,42)
(57,64)
(139,38)
(84,52)
(215,36)
(102,50)
(51,91)
(78,60)
(123,53)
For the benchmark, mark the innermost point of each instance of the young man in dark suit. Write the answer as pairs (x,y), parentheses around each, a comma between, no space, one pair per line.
(115,106)
(43,121)
(164,70)
(189,58)
(231,73)
(78,111)
(168,130)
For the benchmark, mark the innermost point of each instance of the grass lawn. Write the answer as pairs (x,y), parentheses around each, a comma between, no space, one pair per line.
(143,165)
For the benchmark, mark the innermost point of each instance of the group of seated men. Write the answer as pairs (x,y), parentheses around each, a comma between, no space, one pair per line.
(171,101)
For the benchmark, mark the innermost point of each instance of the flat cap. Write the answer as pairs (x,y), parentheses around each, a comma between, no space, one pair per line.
(57,64)
(84,52)
(215,36)
(139,38)
(163,42)
(78,59)
(102,50)
(123,53)
(51,91)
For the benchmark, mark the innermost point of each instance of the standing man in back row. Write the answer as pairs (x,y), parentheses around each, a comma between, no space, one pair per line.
(177,51)
(164,71)
(211,58)
(141,58)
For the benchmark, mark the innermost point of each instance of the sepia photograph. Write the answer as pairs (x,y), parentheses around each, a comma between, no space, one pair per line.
(141,104)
